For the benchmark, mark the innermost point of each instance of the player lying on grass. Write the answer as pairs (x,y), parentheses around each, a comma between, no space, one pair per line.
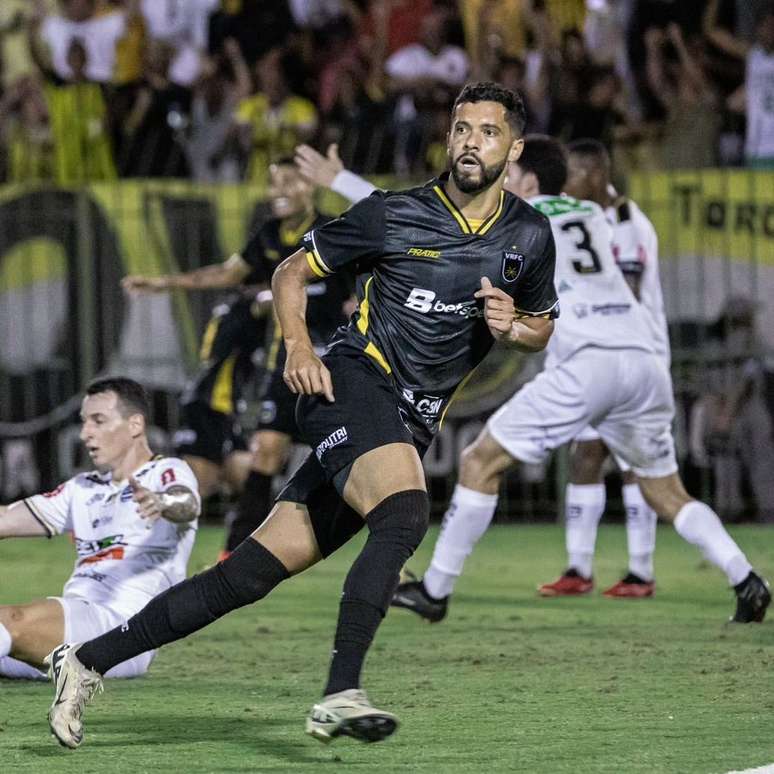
(133,521)
(451,267)
(602,371)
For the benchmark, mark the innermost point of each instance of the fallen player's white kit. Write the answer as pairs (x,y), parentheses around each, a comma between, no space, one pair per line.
(123,560)
(602,367)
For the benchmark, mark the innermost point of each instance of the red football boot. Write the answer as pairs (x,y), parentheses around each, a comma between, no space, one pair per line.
(569,584)
(630,587)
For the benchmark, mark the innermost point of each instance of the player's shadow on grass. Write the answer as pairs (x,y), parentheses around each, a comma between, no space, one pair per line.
(247,733)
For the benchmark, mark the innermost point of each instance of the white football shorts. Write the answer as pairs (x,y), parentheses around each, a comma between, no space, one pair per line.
(623,394)
(84,621)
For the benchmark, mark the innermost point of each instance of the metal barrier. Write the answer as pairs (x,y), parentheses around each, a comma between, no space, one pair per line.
(65,320)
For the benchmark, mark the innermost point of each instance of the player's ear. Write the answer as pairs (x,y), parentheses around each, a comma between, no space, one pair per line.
(136,425)
(517,146)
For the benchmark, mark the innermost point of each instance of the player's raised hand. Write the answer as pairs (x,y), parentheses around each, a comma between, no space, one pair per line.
(306,374)
(149,504)
(316,168)
(499,311)
(138,283)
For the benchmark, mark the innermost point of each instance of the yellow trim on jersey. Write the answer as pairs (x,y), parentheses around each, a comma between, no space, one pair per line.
(372,351)
(365,308)
(459,389)
(222,391)
(209,338)
(471,226)
(292,236)
(362,325)
(449,204)
(490,221)
(310,259)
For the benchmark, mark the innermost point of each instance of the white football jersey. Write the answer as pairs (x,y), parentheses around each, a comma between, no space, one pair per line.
(635,248)
(123,560)
(598,309)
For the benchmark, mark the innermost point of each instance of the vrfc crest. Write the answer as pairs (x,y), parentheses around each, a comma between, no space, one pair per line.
(512,266)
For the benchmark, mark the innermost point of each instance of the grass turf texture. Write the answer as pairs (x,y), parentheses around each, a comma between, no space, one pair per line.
(509,682)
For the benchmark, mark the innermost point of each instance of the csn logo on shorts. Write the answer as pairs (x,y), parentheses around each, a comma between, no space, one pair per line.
(424,301)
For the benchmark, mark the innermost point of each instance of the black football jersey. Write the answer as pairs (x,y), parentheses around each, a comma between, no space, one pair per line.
(264,251)
(420,262)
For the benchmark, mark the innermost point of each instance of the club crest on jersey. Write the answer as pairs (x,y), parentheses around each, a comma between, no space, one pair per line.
(512,265)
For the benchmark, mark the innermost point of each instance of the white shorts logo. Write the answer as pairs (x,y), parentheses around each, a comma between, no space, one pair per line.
(334,439)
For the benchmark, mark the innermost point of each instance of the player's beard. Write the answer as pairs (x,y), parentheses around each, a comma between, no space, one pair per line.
(470,185)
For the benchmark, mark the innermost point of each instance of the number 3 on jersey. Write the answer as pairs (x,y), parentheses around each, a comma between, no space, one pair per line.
(587,260)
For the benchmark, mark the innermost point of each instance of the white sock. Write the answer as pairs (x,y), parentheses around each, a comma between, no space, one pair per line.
(584,506)
(640,532)
(5,641)
(699,524)
(466,519)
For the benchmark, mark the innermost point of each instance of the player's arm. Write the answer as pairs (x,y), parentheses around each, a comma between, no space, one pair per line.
(17,520)
(328,172)
(227,274)
(719,36)
(521,331)
(177,503)
(305,373)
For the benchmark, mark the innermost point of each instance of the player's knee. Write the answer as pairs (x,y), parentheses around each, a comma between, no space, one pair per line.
(270,454)
(15,620)
(586,463)
(482,463)
(402,519)
(250,572)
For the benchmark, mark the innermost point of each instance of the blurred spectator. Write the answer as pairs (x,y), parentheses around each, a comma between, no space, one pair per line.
(99,33)
(424,77)
(15,59)
(393,24)
(570,67)
(494,29)
(257,25)
(677,79)
(273,121)
(756,97)
(209,144)
(158,118)
(316,14)
(183,26)
(731,424)
(77,114)
(25,132)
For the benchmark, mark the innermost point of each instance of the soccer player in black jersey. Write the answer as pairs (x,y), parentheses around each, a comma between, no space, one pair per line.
(445,271)
(210,433)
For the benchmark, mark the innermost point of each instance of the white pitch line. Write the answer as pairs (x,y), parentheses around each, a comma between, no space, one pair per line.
(760,770)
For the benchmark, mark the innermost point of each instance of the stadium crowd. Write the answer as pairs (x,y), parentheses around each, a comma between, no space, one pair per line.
(212,90)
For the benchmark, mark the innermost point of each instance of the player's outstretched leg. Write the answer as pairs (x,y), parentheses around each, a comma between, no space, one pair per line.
(699,524)
(287,547)
(467,519)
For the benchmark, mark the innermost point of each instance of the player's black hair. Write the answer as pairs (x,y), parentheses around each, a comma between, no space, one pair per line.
(488,91)
(590,149)
(546,158)
(132,396)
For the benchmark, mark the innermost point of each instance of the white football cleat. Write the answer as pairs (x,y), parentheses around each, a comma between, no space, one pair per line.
(349,713)
(74,686)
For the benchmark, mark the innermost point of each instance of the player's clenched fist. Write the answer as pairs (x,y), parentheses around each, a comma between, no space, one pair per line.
(149,504)
(306,374)
(499,311)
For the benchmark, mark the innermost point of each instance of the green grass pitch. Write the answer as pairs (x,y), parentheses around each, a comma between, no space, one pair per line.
(508,683)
